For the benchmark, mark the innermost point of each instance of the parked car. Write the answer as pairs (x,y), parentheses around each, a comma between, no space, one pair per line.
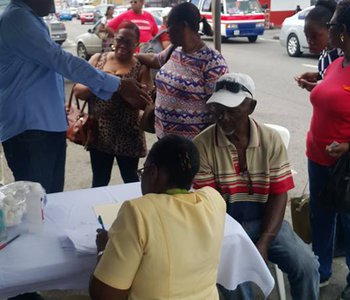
(73,10)
(100,11)
(89,43)
(84,8)
(57,29)
(65,15)
(292,35)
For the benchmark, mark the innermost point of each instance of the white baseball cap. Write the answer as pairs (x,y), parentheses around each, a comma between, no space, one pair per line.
(232,88)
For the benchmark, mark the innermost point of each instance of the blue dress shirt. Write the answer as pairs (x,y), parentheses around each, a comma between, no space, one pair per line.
(32,67)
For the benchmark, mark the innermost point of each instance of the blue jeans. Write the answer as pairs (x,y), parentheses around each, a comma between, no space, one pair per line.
(323,223)
(38,156)
(292,256)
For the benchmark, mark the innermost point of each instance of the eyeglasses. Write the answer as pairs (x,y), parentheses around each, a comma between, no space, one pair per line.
(126,43)
(140,172)
(329,25)
(233,87)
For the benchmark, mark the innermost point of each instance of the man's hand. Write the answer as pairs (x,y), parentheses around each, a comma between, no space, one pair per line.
(263,246)
(336,149)
(307,80)
(101,239)
(134,93)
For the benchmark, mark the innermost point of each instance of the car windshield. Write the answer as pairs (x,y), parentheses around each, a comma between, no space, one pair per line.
(88,10)
(243,6)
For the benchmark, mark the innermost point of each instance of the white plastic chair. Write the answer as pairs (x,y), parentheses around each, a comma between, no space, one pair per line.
(2,177)
(285,135)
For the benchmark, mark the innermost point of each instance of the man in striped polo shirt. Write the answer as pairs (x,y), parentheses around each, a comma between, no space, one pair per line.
(247,163)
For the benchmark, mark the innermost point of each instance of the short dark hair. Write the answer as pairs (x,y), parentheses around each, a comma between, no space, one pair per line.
(179,158)
(322,12)
(189,13)
(343,18)
(126,24)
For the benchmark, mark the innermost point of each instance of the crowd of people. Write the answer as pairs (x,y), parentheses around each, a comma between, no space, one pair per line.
(211,156)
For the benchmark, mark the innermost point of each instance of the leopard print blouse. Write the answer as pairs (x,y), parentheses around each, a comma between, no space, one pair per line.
(118,122)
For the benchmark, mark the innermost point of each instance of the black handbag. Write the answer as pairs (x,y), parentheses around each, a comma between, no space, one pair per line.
(336,194)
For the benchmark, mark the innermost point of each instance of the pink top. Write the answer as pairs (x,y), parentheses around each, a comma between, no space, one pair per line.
(331,113)
(145,22)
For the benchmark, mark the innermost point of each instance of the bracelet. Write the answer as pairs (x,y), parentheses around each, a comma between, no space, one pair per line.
(100,253)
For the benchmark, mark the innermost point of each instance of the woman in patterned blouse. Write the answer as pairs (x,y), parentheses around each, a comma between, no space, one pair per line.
(188,72)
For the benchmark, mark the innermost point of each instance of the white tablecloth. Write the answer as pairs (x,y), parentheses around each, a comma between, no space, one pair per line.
(38,261)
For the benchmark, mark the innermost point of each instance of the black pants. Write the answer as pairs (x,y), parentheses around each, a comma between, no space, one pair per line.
(38,156)
(102,164)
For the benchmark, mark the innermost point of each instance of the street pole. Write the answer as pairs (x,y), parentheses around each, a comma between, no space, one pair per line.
(216,13)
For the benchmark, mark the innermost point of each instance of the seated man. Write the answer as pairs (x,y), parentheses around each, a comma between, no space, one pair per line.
(247,163)
(166,244)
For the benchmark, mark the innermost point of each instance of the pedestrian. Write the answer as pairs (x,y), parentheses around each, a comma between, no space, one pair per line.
(327,140)
(298,8)
(143,19)
(119,134)
(188,72)
(103,33)
(247,163)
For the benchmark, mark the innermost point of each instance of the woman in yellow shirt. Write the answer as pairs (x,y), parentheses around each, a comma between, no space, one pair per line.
(167,243)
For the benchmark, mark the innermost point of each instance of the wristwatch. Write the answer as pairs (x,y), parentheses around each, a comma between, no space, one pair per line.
(100,253)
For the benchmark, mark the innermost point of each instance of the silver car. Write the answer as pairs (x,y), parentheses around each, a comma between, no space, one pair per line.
(57,29)
(89,43)
(292,35)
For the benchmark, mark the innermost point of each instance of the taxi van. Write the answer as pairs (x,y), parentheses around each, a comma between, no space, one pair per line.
(239,18)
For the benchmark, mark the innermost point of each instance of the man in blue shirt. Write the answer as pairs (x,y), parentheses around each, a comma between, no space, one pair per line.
(33,120)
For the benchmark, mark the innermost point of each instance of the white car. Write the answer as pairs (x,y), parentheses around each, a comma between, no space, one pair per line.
(292,35)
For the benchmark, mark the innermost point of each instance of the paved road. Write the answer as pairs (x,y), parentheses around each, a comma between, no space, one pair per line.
(280,101)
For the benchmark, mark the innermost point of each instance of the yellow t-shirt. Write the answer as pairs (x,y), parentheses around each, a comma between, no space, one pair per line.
(166,246)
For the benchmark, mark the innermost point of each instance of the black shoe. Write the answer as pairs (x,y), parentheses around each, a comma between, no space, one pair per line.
(27,296)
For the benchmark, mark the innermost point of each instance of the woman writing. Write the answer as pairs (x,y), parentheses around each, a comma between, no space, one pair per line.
(119,135)
(187,79)
(105,36)
(328,139)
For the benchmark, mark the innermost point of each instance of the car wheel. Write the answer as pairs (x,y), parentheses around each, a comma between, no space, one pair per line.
(82,52)
(293,46)
(224,39)
(82,23)
(59,43)
(252,39)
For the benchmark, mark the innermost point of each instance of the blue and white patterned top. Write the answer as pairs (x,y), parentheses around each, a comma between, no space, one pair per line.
(184,84)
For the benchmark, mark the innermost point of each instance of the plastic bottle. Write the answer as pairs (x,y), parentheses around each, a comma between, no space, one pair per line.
(3,231)
(35,200)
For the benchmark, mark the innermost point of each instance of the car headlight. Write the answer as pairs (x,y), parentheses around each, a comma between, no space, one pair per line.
(232,26)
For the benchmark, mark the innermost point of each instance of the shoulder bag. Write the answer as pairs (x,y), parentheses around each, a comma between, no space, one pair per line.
(82,128)
(336,194)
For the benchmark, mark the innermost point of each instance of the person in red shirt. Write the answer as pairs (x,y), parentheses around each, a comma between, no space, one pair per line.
(143,19)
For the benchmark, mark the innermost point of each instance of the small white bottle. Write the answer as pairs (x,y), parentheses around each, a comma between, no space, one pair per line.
(3,231)
(35,201)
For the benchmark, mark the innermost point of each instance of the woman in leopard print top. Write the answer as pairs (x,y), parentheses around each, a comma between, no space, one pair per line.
(119,133)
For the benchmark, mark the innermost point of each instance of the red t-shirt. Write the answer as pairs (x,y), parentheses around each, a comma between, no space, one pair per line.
(165,36)
(331,113)
(145,22)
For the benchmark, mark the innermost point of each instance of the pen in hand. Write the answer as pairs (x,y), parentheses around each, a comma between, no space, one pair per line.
(2,246)
(101,222)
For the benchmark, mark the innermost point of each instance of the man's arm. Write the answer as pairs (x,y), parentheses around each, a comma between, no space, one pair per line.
(272,221)
(101,291)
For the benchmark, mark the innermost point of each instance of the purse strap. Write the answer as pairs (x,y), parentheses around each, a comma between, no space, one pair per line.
(77,103)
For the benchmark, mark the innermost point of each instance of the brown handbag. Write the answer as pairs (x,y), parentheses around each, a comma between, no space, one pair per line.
(300,211)
(82,128)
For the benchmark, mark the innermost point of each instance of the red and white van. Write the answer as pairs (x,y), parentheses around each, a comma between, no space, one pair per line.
(239,18)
